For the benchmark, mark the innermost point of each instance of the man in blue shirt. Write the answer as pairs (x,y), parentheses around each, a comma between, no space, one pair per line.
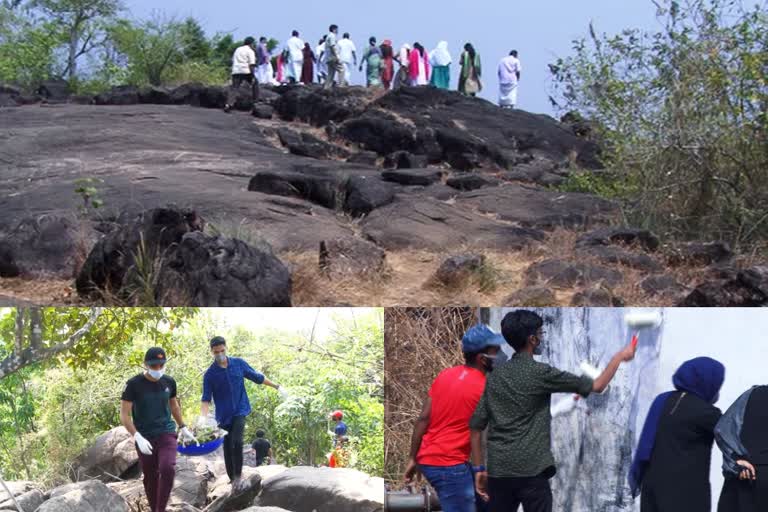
(341,428)
(224,381)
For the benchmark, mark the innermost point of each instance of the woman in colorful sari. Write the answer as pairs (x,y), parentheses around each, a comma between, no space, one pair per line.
(418,66)
(372,60)
(670,470)
(387,63)
(440,59)
(308,68)
(742,436)
(471,71)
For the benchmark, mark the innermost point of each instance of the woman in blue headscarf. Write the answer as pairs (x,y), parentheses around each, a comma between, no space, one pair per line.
(671,466)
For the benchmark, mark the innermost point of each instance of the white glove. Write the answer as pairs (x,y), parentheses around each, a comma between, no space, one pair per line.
(142,443)
(187,435)
(283,393)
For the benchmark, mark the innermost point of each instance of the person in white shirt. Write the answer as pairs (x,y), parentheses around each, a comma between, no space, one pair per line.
(348,55)
(509,77)
(333,59)
(295,48)
(243,65)
(322,67)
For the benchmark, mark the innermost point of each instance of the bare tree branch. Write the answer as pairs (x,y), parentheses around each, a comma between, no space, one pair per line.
(31,355)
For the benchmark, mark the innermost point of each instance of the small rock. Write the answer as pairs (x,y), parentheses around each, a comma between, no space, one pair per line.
(230,501)
(612,235)
(54,90)
(468,182)
(748,289)
(661,285)
(405,160)
(349,257)
(565,274)
(597,297)
(535,296)
(619,255)
(455,270)
(29,500)
(413,176)
(262,111)
(322,189)
(364,158)
(700,253)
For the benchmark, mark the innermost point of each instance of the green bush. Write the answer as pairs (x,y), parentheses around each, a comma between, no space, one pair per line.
(682,113)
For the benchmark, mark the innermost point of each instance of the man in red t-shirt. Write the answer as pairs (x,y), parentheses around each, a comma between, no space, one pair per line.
(440,446)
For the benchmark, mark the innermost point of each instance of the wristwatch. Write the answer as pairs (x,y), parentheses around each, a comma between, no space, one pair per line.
(479,469)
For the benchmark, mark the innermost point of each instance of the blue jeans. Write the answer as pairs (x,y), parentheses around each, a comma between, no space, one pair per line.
(455,486)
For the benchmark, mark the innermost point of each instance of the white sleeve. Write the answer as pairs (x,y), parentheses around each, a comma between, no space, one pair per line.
(251,57)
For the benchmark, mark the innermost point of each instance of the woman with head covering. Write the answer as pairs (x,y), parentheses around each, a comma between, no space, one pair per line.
(742,436)
(308,67)
(418,66)
(440,59)
(671,466)
(372,60)
(471,71)
(387,63)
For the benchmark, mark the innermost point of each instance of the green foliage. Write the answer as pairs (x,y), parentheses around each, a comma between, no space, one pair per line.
(61,408)
(195,45)
(86,189)
(151,47)
(682,113)
(196,72)
(27,48)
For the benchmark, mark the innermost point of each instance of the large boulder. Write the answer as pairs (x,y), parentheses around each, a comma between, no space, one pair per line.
(366,193)
(421,177)
(620,235)
(119,95)
(381,132)
(319,107)
(700,253)
(319,187)
(110,457)
(214,271)
(46,246)
(224,499)
(748,287)
(29,500)
(54,90)
(90,496)
(307,489)
(155,95)
(124,260)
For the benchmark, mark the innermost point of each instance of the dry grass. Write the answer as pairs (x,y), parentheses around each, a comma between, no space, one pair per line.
(418,344)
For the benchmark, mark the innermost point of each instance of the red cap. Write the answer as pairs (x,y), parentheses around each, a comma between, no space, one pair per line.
(337,415)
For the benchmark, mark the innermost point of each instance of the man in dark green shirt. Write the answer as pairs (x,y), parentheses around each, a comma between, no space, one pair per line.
(515,408)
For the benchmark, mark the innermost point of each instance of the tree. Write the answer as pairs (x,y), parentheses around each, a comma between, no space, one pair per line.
(27,47)
(682,114)
(79,335)
(151,46)
(82,22)
(196,46)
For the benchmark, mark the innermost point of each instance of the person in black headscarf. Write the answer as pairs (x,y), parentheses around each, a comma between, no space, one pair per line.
(742,436)
(671,466)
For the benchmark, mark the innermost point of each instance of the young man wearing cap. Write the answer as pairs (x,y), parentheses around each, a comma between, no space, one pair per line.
(262,448)
(224,382)
(148,402)
(340,430)
(515,408)
(440,445)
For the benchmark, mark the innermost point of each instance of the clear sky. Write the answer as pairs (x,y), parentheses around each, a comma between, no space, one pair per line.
(540,30)
(736,337)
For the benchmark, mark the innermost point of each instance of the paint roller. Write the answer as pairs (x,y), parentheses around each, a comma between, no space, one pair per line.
(635,320)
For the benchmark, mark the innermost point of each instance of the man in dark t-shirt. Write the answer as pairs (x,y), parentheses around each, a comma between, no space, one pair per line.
(262,447)
(147,404)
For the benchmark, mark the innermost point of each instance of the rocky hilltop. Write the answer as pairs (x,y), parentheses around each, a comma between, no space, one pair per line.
(349,196)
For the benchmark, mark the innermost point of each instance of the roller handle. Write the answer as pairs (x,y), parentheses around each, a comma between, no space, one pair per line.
(635,340)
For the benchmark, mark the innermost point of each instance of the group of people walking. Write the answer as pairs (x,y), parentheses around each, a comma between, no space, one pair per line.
(483,441)
(151,413)
(333,60)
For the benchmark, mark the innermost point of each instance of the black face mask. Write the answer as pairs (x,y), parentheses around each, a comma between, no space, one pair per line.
(490,362)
